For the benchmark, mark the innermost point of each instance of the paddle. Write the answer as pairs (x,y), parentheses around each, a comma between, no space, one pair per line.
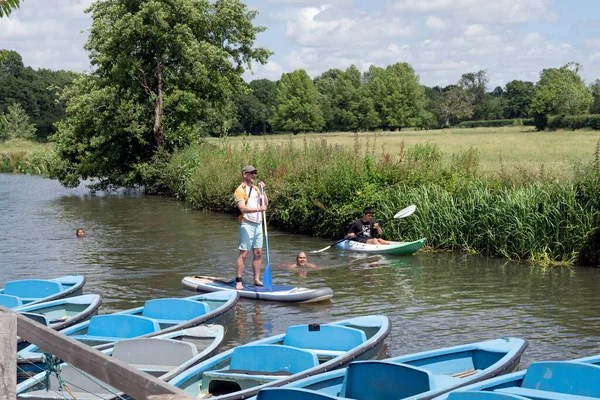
(405,212)
(267,278)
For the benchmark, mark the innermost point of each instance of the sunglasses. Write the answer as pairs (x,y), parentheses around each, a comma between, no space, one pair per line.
(252,173)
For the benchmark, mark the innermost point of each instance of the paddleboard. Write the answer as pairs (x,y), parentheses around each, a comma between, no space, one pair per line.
(282,293)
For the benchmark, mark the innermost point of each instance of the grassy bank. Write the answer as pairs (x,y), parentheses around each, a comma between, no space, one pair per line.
(319,187)
(22,156)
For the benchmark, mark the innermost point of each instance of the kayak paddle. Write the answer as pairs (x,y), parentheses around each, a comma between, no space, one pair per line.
(405,212)
(267,278)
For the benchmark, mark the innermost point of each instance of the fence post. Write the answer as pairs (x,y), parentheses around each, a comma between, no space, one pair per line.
(8,355)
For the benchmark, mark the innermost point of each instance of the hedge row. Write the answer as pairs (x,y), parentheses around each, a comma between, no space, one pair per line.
(497,123)
(591,121)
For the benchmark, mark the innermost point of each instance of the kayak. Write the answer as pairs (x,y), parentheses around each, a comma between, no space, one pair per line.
(282,293)
(398,248)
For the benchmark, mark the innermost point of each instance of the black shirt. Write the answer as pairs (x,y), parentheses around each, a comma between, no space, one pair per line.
(363,229)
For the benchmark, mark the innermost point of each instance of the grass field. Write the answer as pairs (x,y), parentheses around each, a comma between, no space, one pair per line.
(516,150)
(14,146)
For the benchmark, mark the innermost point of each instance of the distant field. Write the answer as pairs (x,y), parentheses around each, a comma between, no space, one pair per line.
(518,149)
(21,145)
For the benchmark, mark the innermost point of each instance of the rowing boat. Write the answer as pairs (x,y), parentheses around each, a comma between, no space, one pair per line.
(32,291)
(416,376)
(303,350)
(397,248)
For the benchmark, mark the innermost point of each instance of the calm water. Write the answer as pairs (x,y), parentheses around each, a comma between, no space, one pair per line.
(139,247)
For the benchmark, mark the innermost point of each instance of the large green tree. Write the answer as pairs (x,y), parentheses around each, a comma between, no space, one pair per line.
(560,91)
(456,105)
(595,88)
(297,109)
(161,70)
(397,96)
(518,95)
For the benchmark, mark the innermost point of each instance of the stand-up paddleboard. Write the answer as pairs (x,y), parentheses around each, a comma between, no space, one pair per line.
(282,293)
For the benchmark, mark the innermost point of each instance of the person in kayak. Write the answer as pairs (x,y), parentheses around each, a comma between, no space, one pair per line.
(251,204)
(363,230)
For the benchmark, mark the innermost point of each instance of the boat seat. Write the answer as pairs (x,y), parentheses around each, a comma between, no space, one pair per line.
(291,394)
(327,340)
(114,327)
(174,311)
(573,378)
(39,318)
(10,301)
(81,384)
(30,290)
(483,395)
(153,354)
(384,380)
(262,363)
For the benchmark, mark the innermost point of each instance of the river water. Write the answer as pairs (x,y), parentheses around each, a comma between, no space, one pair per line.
(140,247)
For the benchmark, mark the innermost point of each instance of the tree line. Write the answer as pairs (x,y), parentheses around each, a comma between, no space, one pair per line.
(166,74)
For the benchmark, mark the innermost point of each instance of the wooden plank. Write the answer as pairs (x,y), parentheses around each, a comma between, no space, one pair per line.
(115,373)
(8,356)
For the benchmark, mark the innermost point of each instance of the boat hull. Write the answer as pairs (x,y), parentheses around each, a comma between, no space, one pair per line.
(280,293)
(397,248)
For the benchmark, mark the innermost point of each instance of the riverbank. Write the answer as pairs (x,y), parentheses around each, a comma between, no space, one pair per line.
(466,201)
(318,188)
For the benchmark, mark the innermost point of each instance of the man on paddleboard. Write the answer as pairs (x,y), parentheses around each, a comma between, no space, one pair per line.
(250,203)
(363,230)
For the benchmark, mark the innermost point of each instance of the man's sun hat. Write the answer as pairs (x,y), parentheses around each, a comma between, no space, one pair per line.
(248,168)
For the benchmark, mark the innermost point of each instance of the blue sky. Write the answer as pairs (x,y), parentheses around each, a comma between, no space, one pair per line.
(441,39)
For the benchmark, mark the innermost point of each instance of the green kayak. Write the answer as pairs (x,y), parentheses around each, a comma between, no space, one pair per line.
(399,248)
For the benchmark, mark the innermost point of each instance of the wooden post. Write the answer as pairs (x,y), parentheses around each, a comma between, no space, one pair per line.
(115,373)
(8,356)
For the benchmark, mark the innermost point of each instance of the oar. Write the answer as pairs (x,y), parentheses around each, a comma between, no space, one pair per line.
(267,278)
(405,212)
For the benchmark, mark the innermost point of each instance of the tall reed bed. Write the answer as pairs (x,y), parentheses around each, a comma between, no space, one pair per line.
(319,188)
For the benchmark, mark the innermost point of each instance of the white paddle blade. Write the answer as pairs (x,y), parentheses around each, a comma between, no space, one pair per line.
(406,211)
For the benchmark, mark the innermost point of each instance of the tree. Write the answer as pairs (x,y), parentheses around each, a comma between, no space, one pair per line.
(161,70)
(16,124)
(456,104)
(397,96)
(518,97)
(492,106)
(595,88)
(297,108)
(6,6)
(475,83)
(560,91)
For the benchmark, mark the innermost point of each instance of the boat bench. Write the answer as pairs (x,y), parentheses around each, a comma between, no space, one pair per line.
(292,394)
(115,327)
(10,301)
(174,311)
(154,355)
(30,290)
(262,363)
(328,340)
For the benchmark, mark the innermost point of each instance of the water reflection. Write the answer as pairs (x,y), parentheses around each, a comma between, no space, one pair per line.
(139,247)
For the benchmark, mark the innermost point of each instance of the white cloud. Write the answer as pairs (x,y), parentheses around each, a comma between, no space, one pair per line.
(436,23)
(497,11)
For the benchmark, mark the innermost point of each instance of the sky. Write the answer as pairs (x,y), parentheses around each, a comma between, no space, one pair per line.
(440,39)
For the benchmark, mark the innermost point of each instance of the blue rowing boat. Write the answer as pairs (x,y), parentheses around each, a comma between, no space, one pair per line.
(60,314)
(303,350)
(154,318)
(420,376)
(163,356)
(547,380)
(32,291)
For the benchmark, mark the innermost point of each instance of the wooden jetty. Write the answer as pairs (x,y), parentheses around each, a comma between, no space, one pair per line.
(115,373)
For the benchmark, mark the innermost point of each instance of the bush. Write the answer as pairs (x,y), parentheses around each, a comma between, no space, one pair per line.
(496,123)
